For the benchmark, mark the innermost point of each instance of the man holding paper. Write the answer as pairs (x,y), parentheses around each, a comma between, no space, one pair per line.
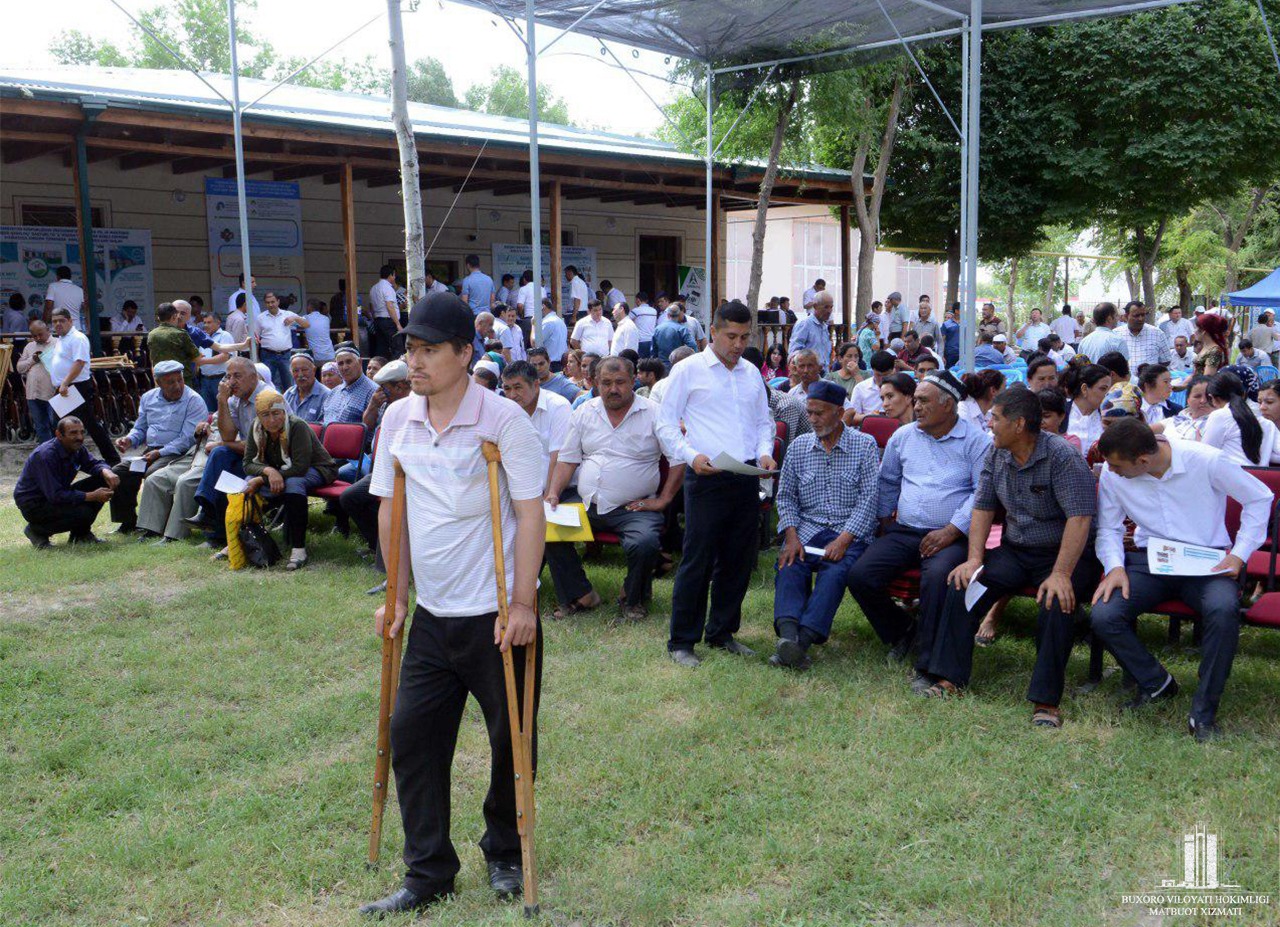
(613,445)
(165,433)
(827,515)
(1050,498)
(722,405)
(1173,491)
(73,382)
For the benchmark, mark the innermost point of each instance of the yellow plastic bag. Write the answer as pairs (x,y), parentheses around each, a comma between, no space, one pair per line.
(236,510)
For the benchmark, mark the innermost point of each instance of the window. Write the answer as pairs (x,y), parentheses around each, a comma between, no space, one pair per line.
(916,279)
(815,252)
(59,215)
(567,237)
(738,259)
(659,264)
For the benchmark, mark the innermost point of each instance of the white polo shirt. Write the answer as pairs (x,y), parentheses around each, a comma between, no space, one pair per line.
(447,494)
(618,465)
(593,336)
(380,294)
(578,289)
(273,330)
(68,349)
(66,295)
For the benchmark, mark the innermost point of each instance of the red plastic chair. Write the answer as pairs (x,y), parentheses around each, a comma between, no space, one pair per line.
(318,429)
(880,427)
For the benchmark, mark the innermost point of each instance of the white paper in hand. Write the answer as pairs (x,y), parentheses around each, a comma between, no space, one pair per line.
(816,551)
(564,515)
(229,483)
(723,461)
(138,465)
(975,591)
(62,405)
(1173,558)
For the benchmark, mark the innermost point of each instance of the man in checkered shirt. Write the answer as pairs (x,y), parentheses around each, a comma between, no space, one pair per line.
(347,401)
(827,514)
(1145,343)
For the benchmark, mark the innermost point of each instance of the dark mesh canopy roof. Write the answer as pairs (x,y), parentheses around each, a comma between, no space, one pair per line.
(743,31)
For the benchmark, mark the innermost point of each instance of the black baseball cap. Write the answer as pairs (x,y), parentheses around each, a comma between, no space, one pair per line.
(441,317)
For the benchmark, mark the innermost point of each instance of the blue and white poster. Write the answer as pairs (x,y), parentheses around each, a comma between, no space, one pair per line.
(275,239)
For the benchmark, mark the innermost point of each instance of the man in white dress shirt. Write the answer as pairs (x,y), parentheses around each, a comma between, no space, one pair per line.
(234,302)
(646,319)
(1149,480)
(865,398)
(1066,327)
(1176,325)
(275,341)
(579,292)
(63,294)
(613,446)
(722,405)
(626,335)
(384,310)
(592,333)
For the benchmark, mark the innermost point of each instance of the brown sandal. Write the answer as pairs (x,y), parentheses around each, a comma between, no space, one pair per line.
(1046,716)
(943,689)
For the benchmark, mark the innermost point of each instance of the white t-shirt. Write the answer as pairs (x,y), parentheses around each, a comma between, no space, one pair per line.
(626,335)
(273,330)
(68,349)
(593,337)
(578,290)
(525,298)
(1066,328)
(66,295)
(380,294)
(252,301)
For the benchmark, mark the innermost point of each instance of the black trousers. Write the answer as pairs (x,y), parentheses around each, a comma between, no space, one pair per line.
(383,341)
(362,507)
(896,550)
(124,501)
(1008,569)
(92,425)
(48,518)
(444,660)
(641,534)
(721,538)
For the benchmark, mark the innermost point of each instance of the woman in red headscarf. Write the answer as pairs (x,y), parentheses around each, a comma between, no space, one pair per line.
(1211,344)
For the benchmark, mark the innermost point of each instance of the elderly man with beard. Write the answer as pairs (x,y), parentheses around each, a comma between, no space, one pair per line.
(613,445)
(826,514)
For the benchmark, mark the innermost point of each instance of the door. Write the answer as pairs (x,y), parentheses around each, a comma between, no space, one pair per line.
(659,264)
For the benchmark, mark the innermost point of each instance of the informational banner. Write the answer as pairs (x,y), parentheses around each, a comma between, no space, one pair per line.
(31,255)
(693,284)
(275,238)
(516,259)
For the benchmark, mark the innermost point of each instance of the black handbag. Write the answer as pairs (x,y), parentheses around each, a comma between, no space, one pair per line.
(259,546)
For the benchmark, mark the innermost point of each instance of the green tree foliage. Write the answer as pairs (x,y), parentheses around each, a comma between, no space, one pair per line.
(507,94)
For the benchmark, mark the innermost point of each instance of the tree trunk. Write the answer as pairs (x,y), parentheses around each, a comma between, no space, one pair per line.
(1184,289)
(953,269)
(1131,279)
(1233,238)
(1047,305)
(762,205)
(410,192)
(867,208)
(1148,254)
(1013,290)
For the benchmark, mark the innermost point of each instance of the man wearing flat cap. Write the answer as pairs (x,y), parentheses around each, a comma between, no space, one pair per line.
(826,515)
(927,480)
(164,434)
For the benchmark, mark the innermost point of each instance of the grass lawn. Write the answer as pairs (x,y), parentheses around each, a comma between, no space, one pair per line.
(183,745)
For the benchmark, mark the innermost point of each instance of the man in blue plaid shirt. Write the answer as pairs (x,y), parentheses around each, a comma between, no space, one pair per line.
(347,401)
(827,514)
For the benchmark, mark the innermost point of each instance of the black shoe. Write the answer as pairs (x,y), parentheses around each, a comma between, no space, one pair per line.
(201,519)
(87,538)
(125,529)
(379,589)
(805,663)
(1204,731)
(735,648)
(1144,698)
(789,653)
(506,880)
(920,682)
(402,900)
(898,652)
(685,658)
(38,541)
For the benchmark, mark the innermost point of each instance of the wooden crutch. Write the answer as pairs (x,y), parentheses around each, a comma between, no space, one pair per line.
(521,731)
(390,665)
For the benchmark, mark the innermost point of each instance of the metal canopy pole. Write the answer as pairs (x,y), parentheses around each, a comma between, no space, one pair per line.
(706,283)
(962,284)
(535,182)
(973,147)
(242,199)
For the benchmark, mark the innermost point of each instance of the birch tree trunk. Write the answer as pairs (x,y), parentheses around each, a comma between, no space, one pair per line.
(867,207)
(1013,289)
(410,192)
(762,205)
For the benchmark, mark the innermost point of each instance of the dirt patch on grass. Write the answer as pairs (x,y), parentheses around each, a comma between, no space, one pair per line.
(99,601)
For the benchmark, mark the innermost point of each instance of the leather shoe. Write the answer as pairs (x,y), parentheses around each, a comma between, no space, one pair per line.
(1144,698)
(789,653)
(401,900)
(506,880)
(898,652)
(920,682)
(201,519)
(735,648)
(38,540)
(1204,731)
(685,658)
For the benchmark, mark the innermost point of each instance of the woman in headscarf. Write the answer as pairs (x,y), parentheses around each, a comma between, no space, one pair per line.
(1211,344)
(284,460)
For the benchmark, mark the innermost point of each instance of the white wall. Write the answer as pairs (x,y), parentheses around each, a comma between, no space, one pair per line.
(172,206)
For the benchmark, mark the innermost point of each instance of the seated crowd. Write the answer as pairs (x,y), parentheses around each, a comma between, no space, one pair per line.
(1053,488)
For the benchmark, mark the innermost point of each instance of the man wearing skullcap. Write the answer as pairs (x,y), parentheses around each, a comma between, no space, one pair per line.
(164,434)
(347,401)
(927,479)
(826,515)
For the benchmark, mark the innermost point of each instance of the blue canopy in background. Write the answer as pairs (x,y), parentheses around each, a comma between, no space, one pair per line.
(1266,293)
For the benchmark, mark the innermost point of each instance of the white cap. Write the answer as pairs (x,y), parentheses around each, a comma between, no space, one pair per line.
(1001,337)
(264,373)
(167,366)
(1199,309)
(394,372)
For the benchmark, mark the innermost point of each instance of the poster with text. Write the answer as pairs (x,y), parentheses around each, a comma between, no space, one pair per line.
(693,285)
(30,256)
(275,239)
(516,259)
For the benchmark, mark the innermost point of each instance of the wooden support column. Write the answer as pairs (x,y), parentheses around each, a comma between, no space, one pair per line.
(84,229)
(556,270)
(715,259)
(347,182)
(846,271)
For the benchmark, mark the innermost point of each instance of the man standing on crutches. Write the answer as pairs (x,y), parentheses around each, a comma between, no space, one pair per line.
(456,642)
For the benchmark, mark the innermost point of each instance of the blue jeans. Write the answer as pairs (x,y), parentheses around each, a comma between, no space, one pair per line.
(42,419)
(278,363)
(809,591)
(353,470)
(221,460)
(209,390)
